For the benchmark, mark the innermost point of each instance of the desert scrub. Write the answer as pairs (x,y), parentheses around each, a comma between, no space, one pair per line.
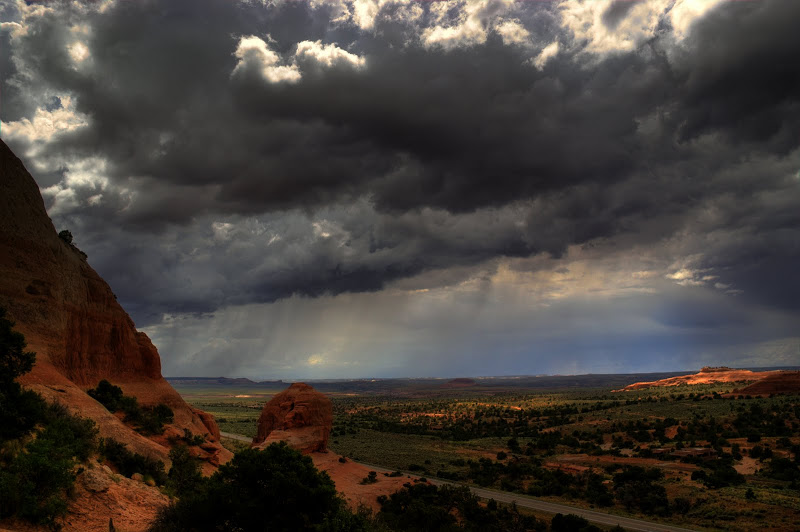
(148,420)
(128,463)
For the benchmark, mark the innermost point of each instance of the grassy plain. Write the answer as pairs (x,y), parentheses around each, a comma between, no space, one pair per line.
(573,445)
(236,408)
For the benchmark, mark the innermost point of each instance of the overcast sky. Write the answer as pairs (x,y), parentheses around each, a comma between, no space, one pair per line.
(356,188)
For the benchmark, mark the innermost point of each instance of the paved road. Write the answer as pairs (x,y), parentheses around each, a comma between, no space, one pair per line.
(233,436)
(533,504)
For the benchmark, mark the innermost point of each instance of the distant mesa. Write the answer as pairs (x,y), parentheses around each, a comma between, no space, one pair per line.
(223,381)
(779,382)
(715,369)
(707,375)
(300,416)
(460,383)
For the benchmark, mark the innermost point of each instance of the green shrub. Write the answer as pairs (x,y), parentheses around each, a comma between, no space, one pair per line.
(148,420)
(36,477)
(719,475)
(65,235)
(423,507)
(371,478)
(107,395)
(571,523)
(782,469)
(19,410)
(635,487)
(128,463)
(184,476)
(273,489)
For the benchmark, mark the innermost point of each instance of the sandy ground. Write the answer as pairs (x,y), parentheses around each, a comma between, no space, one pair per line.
(748,466)
(348,476)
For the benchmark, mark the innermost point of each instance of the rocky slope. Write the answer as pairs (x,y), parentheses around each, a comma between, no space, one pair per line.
(71,319)
(706,375)
(300,416)
(779,382)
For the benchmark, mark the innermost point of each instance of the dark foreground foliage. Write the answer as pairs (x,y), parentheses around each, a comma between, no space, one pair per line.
(636,487)
(274,489)
(422,507)
(36,473)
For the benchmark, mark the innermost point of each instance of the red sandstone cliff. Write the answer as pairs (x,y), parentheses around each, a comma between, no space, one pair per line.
(300,416)
(71,319)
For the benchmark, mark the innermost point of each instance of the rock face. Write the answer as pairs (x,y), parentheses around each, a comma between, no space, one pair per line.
(300,416)
(71,319)
(706,375)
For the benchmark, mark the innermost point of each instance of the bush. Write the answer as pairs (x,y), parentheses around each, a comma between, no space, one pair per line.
(147,420)
(128,463)
(371,478)
(107,395)
(65,235)
(34,483)
(19,410)
(682,505)
(635,487)
(720,474)
(273,489)
(184,476)
(571,523)
(782,469)
(423,507)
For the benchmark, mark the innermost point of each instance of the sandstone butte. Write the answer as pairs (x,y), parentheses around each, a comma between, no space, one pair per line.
(80,334)
(707,375)
(300,416)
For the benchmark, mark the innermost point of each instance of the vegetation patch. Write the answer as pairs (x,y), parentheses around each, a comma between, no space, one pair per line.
(129,463)
(147,420)
(36,464)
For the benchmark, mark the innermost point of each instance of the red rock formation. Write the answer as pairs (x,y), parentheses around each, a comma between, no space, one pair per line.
(71,319)
(779,382)
(706,375)
(300,416)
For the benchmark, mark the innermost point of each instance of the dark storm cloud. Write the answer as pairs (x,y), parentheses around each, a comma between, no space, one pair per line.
(741,80)
(616,12)
(424,157)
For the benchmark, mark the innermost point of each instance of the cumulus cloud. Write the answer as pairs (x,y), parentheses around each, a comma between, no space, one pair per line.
(328,55)
(547,53)
(513,32)
(254,55)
